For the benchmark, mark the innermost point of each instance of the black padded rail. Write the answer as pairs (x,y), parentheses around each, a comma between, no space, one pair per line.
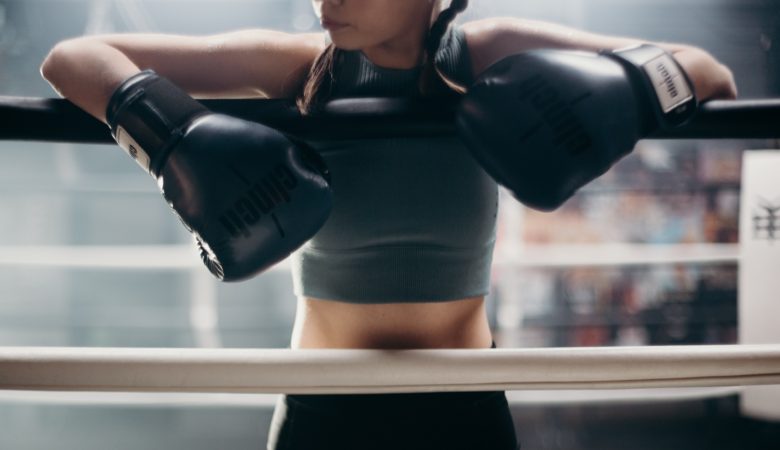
(58,120)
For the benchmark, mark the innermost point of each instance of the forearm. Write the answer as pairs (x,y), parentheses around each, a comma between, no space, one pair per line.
(87,72)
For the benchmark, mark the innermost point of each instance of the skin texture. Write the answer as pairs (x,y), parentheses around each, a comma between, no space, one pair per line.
(390,33)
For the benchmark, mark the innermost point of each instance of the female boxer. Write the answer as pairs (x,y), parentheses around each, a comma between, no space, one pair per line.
(404,259)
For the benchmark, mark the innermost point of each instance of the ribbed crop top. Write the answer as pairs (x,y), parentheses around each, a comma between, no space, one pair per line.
(414,219)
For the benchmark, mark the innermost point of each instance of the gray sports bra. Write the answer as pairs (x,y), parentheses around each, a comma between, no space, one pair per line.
(414,219)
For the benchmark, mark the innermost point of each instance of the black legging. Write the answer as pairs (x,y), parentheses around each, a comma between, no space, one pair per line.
(452,421)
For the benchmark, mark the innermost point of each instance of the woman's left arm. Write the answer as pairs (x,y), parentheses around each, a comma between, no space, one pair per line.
(491,40)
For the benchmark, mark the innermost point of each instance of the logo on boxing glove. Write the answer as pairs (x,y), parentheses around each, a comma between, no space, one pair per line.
(262,198)
(669,82)
(556,113)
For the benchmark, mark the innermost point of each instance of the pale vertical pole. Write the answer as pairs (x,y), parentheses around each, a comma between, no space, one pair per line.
(759,270)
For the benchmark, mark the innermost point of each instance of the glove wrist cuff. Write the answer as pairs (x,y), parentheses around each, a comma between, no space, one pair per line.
(147,114)
(671,92)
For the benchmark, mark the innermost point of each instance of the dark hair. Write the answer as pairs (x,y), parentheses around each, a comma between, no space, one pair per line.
(319,82)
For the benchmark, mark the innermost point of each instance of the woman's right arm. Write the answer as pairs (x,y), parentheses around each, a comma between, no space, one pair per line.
(240,64)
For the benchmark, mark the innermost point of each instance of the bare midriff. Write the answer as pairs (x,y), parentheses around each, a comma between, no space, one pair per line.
(332,324)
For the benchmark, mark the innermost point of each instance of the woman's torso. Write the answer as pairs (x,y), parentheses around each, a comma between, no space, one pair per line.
(330,323)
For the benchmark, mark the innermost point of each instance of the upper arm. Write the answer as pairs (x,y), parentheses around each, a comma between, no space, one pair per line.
(491,40)
(244,63)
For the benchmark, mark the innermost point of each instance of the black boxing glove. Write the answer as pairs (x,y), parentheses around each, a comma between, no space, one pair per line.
(248,194)
(546,122)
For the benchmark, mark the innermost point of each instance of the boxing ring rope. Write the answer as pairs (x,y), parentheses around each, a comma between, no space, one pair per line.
(329,371)
(57,120)
(381,371)
(182,257)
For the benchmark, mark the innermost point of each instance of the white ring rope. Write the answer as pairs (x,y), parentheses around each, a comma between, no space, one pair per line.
(177,257)
(330,371)
(207,399)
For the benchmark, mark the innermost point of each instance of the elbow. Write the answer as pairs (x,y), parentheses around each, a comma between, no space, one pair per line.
(54,62)
(59,59)
(727,87)
(712,80)
(48,66)
(718,77)
(716,82)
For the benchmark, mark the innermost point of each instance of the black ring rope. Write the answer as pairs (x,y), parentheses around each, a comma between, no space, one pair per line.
(58,120)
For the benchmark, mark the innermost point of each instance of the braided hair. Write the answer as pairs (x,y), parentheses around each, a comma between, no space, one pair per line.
(317,88)
(432,80)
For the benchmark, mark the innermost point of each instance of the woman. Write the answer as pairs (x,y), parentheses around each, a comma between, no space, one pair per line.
(399,264)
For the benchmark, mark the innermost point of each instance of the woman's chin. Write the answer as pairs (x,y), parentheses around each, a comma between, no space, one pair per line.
(343,40)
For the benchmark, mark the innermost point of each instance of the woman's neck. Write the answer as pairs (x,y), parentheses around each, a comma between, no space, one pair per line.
(402,52)
(395,60)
